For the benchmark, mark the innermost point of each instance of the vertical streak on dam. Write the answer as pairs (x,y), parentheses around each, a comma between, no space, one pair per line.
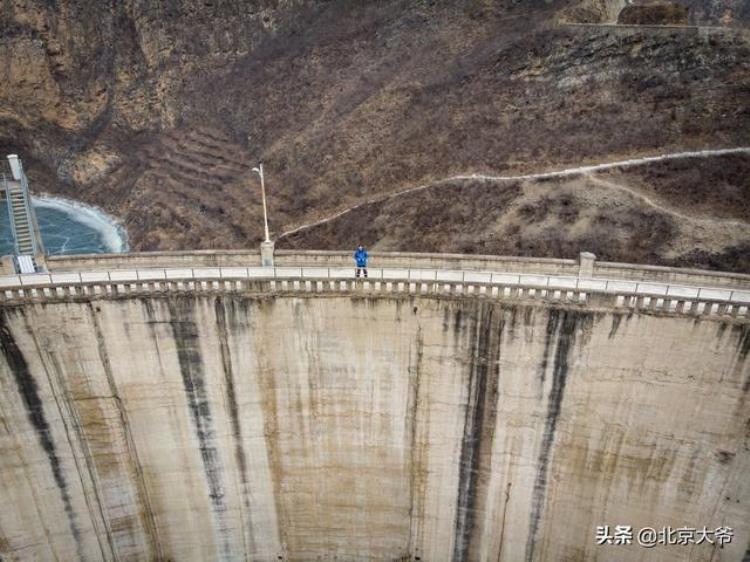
(479,425)
(142,517)
(255,427)
(186,336)
(29,392)
(567,326)
(220,307)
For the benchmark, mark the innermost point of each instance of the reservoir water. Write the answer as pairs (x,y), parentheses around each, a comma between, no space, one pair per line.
(68,227)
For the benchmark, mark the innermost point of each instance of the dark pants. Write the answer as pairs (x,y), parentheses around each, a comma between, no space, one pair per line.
(358,269)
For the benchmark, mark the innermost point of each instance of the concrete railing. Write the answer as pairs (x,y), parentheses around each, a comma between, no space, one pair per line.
(131,260)
(498,264)
(671,275)
(709,301)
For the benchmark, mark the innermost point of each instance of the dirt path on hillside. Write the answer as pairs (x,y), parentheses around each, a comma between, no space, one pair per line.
(588,170)
(660,207)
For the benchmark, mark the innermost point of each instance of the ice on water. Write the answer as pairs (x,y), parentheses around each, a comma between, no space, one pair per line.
(68,228)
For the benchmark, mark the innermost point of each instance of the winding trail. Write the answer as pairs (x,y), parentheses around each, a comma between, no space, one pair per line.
(659,207)
(566,172)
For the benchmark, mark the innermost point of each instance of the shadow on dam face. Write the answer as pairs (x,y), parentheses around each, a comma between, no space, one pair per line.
(239,427)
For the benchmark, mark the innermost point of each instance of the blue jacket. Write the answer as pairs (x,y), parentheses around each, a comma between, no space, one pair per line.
(360,256)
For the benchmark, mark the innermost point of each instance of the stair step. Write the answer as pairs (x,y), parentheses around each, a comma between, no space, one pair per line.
(18,201)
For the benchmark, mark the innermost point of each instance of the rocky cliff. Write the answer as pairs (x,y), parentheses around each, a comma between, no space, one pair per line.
(155,111)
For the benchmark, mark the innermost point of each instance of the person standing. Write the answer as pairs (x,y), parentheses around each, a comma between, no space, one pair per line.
(360,258)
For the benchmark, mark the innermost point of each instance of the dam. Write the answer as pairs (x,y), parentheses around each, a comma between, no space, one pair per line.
(197,406)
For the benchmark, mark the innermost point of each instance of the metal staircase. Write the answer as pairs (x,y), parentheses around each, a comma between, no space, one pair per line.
(20,220)
(21,214)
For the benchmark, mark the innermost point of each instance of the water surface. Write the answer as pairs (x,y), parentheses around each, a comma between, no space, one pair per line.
(68,227)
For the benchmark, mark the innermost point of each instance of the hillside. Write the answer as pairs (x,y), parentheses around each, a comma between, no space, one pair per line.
(156,112)
(659,213)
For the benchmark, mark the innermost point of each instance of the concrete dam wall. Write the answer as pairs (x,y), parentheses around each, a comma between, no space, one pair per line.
(208,422)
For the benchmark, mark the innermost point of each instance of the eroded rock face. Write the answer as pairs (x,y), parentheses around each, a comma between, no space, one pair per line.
(654,14)
(80,57)
(155,111)
(594,11)
(660,12)
(233,427)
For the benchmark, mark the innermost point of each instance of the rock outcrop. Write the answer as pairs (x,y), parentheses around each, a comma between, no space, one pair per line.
(668,13)
(157,111)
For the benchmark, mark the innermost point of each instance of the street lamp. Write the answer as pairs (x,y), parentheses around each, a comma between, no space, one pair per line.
(266,247)
(259,171)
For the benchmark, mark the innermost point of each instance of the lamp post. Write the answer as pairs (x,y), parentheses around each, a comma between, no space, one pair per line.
(259,171)
(266,247)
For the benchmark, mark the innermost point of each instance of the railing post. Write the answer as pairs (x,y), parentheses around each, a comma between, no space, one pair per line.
(586,264)
(7,266)
(266,253)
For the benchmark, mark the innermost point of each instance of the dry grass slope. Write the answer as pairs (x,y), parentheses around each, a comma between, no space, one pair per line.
(155,112)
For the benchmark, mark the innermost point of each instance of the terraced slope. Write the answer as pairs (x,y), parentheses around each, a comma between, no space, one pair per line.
(192,180)
(152,111)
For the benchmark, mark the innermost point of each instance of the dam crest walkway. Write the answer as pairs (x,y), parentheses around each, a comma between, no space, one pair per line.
(690,292)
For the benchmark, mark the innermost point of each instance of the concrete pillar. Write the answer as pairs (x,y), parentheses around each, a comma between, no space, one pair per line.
(586,264)
(41,261)
(15,166)
(7,267)
(266,253)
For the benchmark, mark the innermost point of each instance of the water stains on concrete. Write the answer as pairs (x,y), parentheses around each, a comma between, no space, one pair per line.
(417,443)
(743,340)
(457,441)
(145,512)
(226,363)
(479,425)
(616,319)
(187,339)
(568,323)
(226,317)
(549,335)
(29,392)
(742,335)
